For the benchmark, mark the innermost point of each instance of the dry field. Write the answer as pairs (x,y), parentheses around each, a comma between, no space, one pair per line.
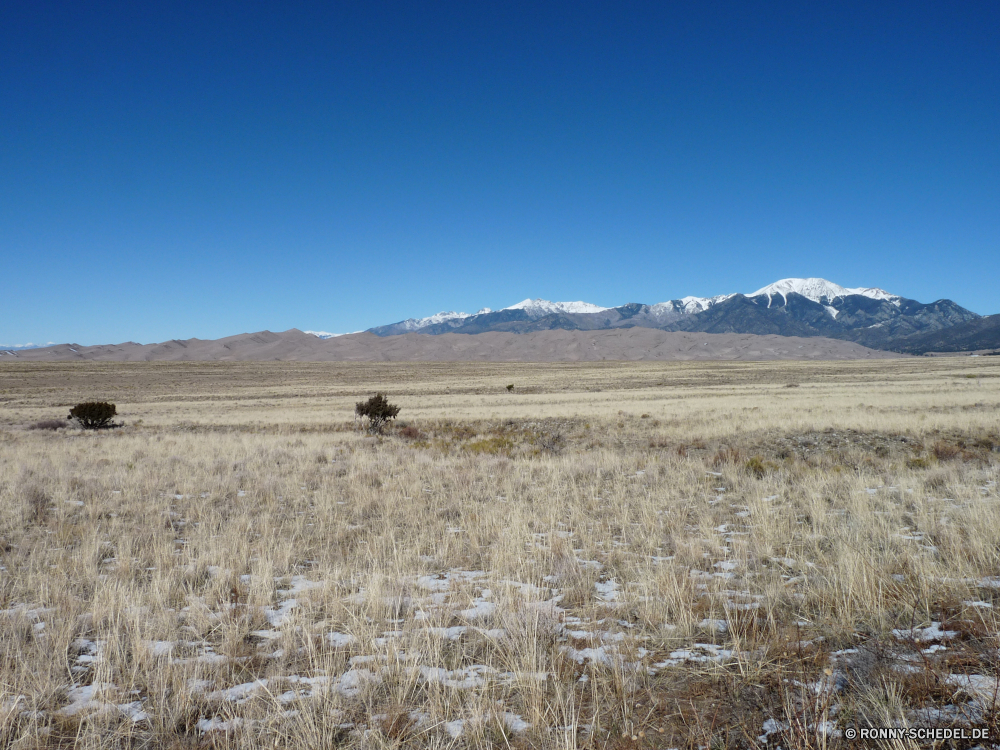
(669,555)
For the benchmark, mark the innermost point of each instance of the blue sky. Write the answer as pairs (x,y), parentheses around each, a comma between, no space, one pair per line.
(203,169)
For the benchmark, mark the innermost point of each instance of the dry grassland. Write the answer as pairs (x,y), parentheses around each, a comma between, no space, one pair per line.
(639,555)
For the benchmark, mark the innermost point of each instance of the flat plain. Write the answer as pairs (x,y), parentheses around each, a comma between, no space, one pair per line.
(602,555)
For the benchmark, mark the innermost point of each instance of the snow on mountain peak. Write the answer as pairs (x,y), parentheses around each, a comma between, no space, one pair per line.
(543,306)
(415,324)
(327,334)
(698,304)
(690,304)
(817,289)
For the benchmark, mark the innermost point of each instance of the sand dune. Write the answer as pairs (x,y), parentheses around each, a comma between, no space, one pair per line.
(630,344)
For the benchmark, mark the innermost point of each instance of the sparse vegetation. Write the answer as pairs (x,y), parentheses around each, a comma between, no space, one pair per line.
(241,572)
(50,424)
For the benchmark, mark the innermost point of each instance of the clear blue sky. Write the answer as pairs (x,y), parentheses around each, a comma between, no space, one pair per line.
(203,169)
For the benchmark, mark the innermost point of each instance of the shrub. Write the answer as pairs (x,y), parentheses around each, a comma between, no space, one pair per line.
(727,455)
(93,415)
(758,467)
(38,503)
(377,410)
(510,388)
(945,451)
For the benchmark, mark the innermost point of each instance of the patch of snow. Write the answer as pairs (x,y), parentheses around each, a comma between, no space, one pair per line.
(719,626)
(443,581)
(978,686)
(460,679)
(772,726)
(607,591)
(353,681)
(238,693)
(82,698)
(698,653)
(338,640)
(478,610)
(280,615)
(932,632)
(215,724)
(607,655)
(515,723)
(452,634)
(298,584)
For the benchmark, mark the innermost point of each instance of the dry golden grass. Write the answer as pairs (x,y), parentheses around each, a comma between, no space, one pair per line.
(611,555)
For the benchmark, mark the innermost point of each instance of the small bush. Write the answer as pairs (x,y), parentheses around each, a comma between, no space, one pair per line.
(727,455)
(510,388)
(49,424)
(93,415)
(551,443)
(945,451)
(758,467)
(38,503)
(378,411)
(985,443)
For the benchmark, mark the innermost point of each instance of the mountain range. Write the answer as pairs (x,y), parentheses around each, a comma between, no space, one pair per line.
(790,307)
(789,319)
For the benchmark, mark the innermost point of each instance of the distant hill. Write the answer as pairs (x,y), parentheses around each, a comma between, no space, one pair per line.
(556,345)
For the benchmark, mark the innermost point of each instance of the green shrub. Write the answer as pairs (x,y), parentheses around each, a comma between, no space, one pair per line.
(510,388)
(377,410)
(758,467)
(93,415)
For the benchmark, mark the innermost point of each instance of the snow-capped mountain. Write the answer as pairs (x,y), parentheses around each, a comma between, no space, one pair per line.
(415,324)
(819,290)
(793,307)
(449,319)
(540,307)
(327,335)
(21,347)
(690,305)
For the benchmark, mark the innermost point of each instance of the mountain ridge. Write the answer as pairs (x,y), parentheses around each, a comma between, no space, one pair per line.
(806,307)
